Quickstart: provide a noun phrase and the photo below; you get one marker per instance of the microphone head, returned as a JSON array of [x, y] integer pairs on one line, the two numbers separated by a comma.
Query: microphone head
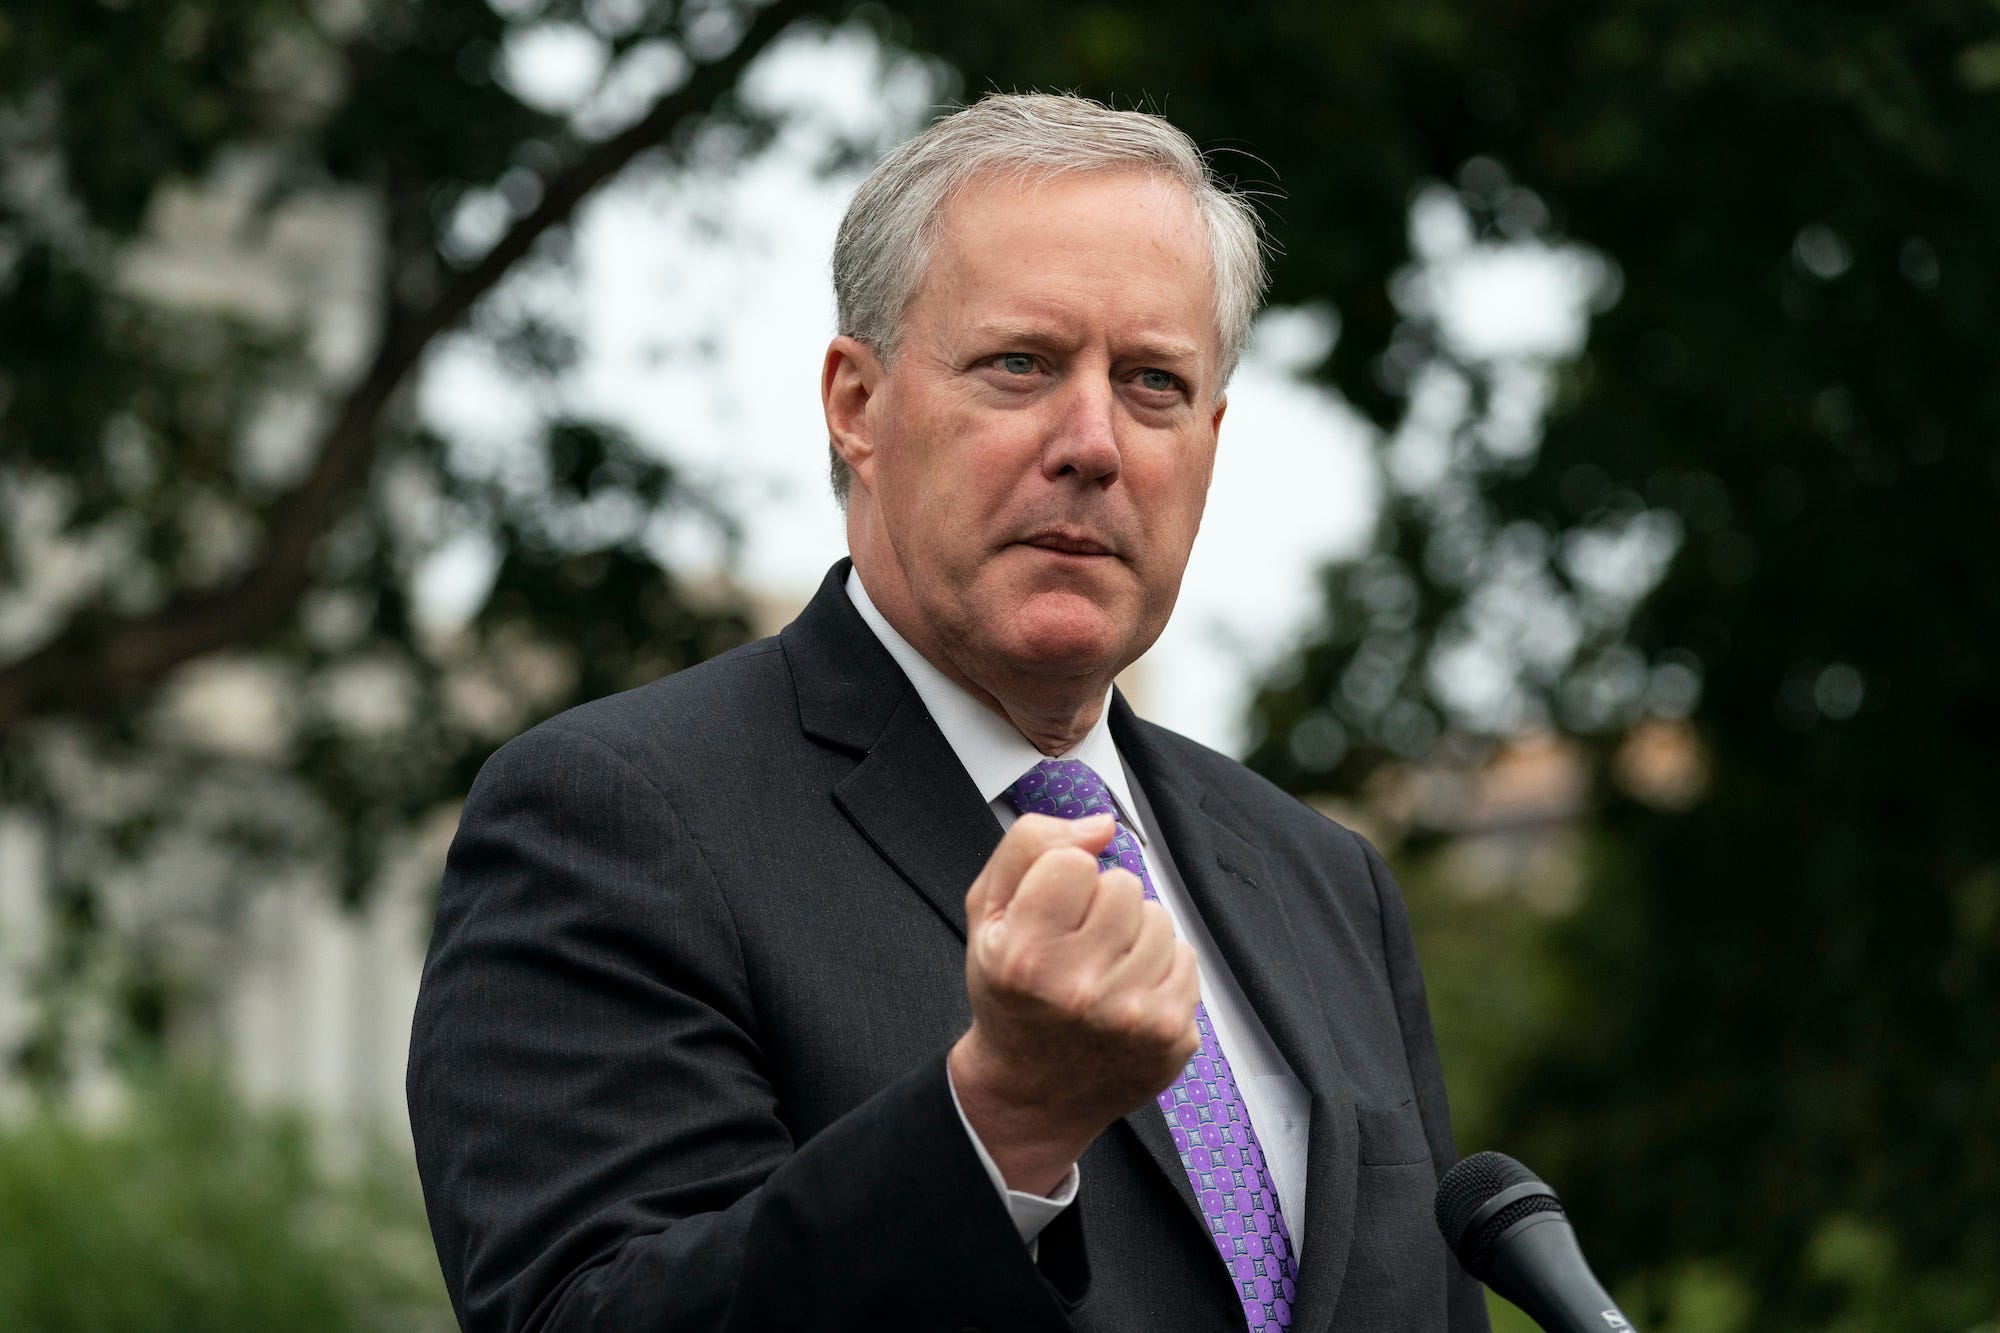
[[1466, 1211]]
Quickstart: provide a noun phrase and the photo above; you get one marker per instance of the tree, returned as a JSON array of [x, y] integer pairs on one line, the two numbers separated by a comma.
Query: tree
[[1748, 510], [1751, 511], [213, 485]]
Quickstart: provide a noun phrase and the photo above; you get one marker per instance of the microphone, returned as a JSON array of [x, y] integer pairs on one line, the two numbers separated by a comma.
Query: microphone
[[1509, 1230]]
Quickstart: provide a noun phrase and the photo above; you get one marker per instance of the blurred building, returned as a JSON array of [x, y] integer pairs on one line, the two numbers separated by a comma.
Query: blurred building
[[1513, 825]]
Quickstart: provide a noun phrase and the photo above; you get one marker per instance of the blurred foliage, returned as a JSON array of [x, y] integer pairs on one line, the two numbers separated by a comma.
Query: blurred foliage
[[1494, 991], [1494, 995], [1758, 1059], [190, 1212], [1753, 506], [230, 233]]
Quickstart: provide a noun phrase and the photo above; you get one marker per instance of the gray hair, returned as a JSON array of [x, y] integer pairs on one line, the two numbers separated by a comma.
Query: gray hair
[[885, 240]]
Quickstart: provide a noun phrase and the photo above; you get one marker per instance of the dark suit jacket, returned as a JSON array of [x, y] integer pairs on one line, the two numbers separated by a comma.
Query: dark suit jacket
[[678, 1061]]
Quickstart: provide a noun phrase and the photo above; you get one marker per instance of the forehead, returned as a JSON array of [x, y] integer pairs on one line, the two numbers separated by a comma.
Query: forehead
[[1064, 243], [1004, 191]]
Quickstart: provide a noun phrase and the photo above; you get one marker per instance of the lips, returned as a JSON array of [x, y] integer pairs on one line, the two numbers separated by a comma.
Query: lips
[[1067, 541]]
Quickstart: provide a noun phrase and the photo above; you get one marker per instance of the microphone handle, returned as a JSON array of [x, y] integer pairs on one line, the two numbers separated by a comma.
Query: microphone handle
[[1539, 1266]]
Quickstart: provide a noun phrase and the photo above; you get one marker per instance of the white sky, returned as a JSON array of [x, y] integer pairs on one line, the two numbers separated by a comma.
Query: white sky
[[740, 266]]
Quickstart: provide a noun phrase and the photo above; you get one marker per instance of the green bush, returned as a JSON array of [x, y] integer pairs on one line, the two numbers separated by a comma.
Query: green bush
[[191, 1212]]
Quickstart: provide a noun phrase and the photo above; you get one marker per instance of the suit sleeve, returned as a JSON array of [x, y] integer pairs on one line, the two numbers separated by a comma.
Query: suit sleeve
[[598, 1136], [1465, 1299]]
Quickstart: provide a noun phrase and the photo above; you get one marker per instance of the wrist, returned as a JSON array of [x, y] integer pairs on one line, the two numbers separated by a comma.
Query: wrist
[[1032, 1144]]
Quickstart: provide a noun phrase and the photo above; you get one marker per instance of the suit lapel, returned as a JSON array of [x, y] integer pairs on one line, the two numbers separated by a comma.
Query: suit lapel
[[909, 795], [1242, 904], [912, 799]]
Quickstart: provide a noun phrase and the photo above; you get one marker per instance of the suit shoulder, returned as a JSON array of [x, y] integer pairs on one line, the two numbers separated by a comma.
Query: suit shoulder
[[724, 705], [1261, 802], [1303, 843]]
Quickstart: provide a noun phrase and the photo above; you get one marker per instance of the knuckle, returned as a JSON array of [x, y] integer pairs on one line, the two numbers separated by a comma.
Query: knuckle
[[1012, 972], [1053, 878], [1080, 995], [1134, 1020]]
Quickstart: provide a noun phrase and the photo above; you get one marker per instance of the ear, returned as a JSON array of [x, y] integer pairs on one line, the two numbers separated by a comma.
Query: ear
[[1215, 437], [848, 381]]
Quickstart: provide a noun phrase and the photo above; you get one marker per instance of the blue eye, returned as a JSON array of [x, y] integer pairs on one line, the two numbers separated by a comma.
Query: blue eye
[[1158, 380], [1018, 363]]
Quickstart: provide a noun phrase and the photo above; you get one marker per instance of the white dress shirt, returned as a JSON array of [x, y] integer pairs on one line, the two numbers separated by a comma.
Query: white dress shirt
[[995, 755]]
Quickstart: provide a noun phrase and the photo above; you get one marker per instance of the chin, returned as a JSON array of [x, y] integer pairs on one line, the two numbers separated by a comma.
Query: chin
[[1067, 635]]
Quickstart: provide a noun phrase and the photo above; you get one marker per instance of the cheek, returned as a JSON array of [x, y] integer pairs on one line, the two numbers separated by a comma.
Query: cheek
[[1178, 495], [1197, 502], [969, 472], [941, 496]]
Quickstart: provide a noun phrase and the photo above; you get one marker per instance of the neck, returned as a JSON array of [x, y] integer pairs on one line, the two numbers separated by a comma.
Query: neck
[[1053, 727]]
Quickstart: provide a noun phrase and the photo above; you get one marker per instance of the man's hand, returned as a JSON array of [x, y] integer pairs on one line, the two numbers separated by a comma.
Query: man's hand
[[1082, 999]]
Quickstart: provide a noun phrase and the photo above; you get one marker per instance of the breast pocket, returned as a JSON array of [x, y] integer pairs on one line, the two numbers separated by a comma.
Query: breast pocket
[[1395, 1268], [1391, 1135]]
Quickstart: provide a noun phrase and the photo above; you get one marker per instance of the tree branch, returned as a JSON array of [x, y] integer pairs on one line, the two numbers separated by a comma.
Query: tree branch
[[96, 659]]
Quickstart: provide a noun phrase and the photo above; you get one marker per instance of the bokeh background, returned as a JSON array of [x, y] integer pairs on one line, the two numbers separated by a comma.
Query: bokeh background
[[1605, 525]]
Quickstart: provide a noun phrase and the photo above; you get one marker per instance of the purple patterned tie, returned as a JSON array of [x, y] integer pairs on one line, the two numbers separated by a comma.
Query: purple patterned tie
[[1205, 1113]]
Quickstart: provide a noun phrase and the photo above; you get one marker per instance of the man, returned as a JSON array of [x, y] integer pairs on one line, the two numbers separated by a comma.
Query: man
[[890, 973]]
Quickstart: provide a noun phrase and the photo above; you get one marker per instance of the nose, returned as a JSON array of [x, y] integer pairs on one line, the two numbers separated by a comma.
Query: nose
[[1084, 441]]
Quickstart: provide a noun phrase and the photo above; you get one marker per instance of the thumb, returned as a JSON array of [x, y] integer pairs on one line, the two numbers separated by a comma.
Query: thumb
[[1024, 844]]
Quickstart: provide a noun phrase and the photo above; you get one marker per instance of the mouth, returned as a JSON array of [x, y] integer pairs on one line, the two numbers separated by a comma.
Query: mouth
[[1066, 541]]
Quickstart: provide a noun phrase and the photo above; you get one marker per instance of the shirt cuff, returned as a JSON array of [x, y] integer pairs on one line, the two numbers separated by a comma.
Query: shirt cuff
[[1031, 1212]]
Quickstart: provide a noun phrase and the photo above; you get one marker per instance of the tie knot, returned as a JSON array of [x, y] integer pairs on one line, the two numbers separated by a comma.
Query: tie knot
[[1065, 788]]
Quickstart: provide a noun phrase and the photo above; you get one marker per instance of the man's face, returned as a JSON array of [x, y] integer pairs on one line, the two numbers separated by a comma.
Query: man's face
[[1038, 453]]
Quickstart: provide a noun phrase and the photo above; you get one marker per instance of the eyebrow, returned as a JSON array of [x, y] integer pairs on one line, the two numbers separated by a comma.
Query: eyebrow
[[1034, 335]]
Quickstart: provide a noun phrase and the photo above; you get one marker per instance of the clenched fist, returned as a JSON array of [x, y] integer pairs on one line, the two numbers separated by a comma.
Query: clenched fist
[[1082, 999]]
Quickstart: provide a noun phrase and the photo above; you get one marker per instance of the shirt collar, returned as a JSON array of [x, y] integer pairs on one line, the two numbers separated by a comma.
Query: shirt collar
[[993, 752]]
